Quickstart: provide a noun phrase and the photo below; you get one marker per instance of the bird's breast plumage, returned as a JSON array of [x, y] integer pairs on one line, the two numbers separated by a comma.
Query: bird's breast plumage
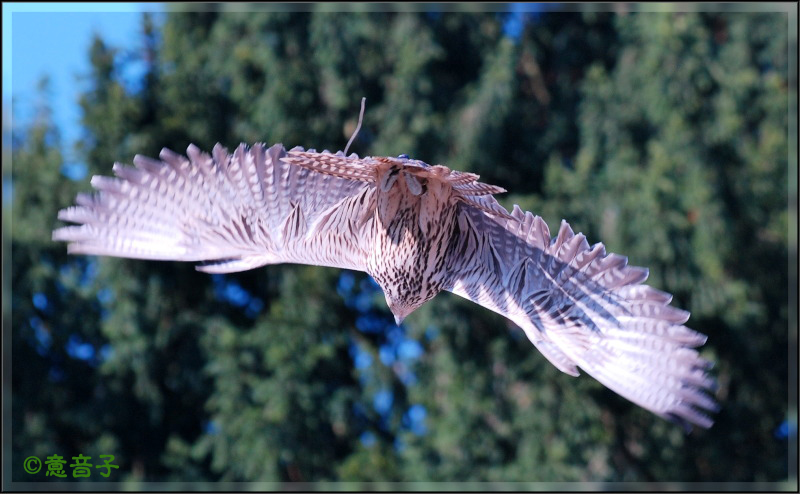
[[412, 226]]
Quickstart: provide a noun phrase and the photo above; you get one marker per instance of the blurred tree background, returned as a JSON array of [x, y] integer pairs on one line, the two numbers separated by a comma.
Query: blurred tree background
[[663, 135]]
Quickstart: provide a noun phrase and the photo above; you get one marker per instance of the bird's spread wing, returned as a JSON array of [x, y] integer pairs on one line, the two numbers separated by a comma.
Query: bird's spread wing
[[235, 211], [583, 308]]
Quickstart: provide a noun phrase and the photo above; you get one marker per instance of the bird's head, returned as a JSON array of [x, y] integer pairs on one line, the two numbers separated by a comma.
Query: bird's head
[[401, 307]]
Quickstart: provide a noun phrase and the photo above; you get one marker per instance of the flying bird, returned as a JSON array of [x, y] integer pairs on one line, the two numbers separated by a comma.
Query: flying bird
[[416, 229]]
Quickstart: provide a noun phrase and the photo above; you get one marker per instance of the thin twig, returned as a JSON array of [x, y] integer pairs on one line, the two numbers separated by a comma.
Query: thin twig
[[355, 133]]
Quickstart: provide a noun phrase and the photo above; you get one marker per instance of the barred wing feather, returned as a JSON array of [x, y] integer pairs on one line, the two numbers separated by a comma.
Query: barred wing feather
[[583, 308], [235, 211]]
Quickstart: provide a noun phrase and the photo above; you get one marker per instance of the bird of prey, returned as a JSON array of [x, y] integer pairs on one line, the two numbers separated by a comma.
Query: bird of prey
[[416, 229]]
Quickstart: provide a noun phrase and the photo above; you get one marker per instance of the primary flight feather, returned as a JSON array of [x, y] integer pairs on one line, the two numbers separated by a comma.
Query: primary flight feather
[[417, 230]]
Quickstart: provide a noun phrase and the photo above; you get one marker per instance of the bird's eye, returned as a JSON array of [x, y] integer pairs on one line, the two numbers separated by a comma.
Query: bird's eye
[[403, 156]]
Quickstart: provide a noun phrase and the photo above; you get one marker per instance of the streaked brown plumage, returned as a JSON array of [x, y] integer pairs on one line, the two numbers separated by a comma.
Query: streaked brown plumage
[[417, 230]]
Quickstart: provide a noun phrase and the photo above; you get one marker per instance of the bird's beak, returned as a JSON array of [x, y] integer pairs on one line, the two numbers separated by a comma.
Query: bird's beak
[[398, 319]]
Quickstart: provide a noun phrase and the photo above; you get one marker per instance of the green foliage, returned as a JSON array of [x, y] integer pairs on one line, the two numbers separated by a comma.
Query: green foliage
[[663, 135], [686, 173]]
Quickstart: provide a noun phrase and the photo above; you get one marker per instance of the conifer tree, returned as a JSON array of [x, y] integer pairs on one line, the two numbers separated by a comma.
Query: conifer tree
[[664, 135]]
